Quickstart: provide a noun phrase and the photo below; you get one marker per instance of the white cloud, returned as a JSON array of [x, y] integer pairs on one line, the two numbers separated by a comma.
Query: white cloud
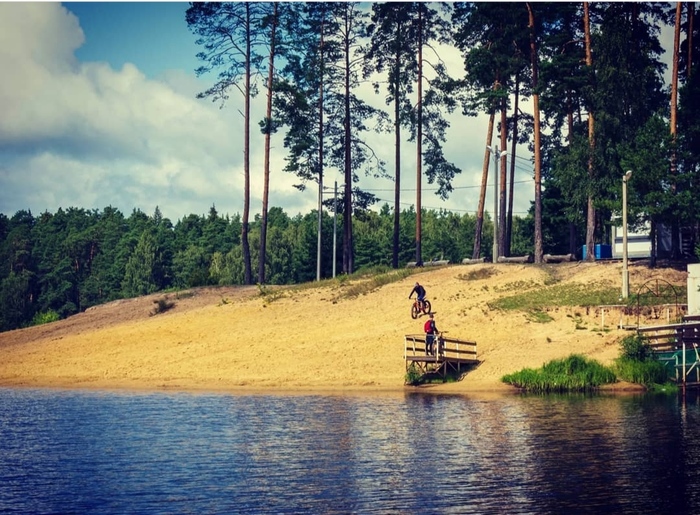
[[86, 135]]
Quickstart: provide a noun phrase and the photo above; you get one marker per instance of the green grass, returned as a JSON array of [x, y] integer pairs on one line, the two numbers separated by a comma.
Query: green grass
[[539, 297], [576, 373], [366, 281], [573, 374], [636, 364], [648, 372], [346, 286], [538, 316]]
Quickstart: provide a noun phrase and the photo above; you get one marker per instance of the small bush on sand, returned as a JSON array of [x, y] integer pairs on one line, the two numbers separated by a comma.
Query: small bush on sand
[[638, 365], [45, 317], [162, 305], [573, 374]]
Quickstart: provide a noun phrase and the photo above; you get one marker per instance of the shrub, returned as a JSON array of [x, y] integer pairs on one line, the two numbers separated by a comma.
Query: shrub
[[45, 318], [637, 363], [635, 348], [575, 373], [162, 305], [413, 375]]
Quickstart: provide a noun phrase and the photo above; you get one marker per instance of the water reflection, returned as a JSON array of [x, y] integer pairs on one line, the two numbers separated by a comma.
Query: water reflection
[[92, 452]]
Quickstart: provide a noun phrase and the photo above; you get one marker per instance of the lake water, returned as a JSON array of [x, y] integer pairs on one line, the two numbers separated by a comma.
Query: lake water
[[75, 451]]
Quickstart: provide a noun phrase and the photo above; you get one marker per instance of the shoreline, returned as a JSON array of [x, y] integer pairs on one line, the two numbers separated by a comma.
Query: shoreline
[[318, 338]]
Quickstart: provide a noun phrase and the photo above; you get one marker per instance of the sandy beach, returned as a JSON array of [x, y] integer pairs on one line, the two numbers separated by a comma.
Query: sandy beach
[[316, 338]]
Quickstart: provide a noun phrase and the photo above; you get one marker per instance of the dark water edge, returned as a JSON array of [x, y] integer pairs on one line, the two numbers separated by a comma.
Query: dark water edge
[[76, 451]]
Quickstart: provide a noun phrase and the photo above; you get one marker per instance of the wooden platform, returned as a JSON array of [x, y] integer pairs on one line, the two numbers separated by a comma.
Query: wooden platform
[[451, 355], [677, 347]]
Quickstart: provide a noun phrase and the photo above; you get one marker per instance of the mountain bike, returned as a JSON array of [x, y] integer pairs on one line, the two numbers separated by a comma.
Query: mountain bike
[[437, 345], [420, 306]]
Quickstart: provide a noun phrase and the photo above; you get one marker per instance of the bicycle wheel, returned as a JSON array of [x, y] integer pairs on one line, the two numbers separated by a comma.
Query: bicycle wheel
[[414, 311], [426, 306]]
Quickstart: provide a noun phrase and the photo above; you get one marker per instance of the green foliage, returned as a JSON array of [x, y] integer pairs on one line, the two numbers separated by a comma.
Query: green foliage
[[413, 375], [539, 296], [191, 267], [45, 318], [637, 364], [538, 316], [635, 348], [144, 267], [15, 307], [363, 283], [647, 372], [575, 373]]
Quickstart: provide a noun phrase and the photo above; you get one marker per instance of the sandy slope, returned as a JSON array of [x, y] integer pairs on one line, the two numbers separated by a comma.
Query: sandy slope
[[235, 339]]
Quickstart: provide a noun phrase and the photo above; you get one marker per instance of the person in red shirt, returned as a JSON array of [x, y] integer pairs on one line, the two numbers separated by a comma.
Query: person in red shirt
[[431, 331]]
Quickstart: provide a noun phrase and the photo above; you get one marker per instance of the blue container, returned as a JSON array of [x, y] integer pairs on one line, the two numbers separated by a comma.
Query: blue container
[[601, 251]]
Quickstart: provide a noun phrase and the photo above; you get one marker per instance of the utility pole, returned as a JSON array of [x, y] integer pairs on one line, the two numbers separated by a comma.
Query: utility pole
[[497, 155], [625, 271]]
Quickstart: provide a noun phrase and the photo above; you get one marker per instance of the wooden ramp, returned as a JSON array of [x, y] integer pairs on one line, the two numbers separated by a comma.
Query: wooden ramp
[[677, 347], [450, 355]]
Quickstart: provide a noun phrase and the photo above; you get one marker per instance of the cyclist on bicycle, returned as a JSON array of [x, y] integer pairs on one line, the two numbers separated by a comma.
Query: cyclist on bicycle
[[420, 293]]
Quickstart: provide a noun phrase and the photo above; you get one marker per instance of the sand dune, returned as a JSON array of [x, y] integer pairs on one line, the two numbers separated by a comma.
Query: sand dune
[[236, 339]]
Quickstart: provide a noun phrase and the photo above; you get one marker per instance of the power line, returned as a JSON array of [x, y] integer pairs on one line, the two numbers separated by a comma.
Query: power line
[[436, 189], [469, 211]]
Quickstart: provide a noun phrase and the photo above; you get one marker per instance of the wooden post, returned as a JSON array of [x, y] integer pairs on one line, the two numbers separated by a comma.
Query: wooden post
[[683, 359]]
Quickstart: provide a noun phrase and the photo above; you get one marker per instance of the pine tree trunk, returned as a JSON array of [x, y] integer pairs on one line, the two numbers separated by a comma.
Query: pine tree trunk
[[689, 38], [482, 193], [590, 211], [266, 165], [538, 159], [397, 158], [248, 274], [569, 138], [503, 166], [347, 215], [675, 243], [419, 137], [511, 184], [320, 140]]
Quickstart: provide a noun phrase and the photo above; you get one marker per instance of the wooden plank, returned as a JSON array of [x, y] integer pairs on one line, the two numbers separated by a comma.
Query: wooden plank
[[558, 258], [515, 259], [437, 262]]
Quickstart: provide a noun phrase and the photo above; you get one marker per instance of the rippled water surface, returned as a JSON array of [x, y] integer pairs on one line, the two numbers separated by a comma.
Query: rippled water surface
[[106, 452]]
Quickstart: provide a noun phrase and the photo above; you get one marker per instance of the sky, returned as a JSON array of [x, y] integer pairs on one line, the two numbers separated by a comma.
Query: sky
[[99, 109]]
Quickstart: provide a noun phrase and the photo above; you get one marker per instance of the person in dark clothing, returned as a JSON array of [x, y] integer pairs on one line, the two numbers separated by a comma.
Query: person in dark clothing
[[420, 294], [431, 331]]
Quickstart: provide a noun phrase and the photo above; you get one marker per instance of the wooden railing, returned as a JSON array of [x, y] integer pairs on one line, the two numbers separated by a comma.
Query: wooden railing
[[447, 349], [671, 336], [676, 345]]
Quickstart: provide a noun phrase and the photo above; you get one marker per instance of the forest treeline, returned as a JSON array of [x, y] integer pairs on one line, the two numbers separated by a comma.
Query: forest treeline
[[58, 264]]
